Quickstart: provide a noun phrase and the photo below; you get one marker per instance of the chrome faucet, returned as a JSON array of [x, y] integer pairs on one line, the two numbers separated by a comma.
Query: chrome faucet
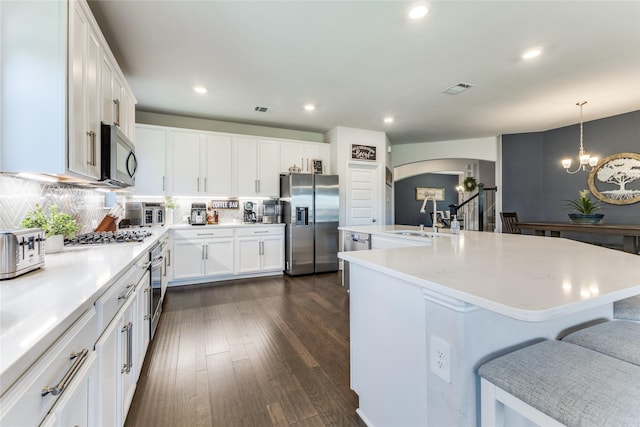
[[435, 215]]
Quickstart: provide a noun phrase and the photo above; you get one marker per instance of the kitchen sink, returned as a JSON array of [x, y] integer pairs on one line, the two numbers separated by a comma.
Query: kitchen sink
[[417, 233]]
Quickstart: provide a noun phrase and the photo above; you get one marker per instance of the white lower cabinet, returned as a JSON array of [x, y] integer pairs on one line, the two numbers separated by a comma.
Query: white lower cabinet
[[121, 347], [78, 405], [259, 249], [202, 252], [219, 253], [65, 370]]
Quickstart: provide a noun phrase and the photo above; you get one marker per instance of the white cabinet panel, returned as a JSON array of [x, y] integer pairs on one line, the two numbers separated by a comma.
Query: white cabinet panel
[[184, 158], [187, 259], [257, 167], [84, 117], [218, 257], [151, 177], [78, 404], [302, 154], [273, 253], [216, 168], [259, 249], [268, 170], [246, 166]]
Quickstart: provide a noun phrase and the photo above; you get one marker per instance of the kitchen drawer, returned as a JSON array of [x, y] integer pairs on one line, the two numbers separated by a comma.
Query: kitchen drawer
[[110, 302], [203, 233], [259, 231], [24, 404]]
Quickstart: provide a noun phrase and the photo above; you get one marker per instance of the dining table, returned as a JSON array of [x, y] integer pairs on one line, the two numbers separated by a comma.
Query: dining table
[[630, 232]]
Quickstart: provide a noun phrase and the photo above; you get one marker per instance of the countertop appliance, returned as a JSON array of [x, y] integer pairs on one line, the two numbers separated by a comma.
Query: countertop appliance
[[145, 214], [21, 251], [118, 159], [271, 212], [310, 210], [198, 214], [249, 213], [353, 242]]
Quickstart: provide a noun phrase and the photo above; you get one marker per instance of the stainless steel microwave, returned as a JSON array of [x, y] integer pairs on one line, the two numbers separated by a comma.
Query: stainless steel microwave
[[119, 163]]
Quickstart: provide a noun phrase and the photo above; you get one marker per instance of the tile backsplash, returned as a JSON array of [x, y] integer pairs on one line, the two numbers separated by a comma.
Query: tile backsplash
[[19, 196]]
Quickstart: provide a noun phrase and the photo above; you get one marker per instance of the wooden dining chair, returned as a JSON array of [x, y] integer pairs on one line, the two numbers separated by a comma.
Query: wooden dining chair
[[509, 220]]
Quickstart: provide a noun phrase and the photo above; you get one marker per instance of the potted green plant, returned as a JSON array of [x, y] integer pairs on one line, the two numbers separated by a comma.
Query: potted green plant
[[56, 226], [170, 204], [585, 209]]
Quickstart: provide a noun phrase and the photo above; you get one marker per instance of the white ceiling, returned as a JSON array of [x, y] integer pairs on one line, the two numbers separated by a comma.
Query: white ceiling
[[360, 61]]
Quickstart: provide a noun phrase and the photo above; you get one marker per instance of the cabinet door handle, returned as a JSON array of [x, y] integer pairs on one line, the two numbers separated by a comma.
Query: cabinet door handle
[[301, 164], [130, 289], [205, 184], [198, 184], [206, 251], [169, 257], [147, 315], [92, 148], [163, 189], [68, 376], [203, 251], [261, 232], [126, 368], [116, 122]]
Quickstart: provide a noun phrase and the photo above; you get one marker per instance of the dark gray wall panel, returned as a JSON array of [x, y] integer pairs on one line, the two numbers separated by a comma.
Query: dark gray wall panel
[[407, 208]]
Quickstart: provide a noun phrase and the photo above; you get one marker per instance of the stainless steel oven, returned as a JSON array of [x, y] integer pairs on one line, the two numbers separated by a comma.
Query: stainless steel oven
[[156, 269]]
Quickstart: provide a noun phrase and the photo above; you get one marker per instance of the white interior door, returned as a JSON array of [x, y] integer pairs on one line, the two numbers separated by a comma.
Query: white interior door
[[362, 195]]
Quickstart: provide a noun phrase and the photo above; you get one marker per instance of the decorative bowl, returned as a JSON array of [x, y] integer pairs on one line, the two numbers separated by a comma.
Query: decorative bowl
[[577, 218]]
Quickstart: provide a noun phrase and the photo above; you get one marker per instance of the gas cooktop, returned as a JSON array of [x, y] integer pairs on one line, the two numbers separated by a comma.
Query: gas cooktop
[[107, 237]]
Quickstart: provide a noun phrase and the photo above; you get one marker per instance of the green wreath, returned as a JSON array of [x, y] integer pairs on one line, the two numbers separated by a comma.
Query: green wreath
[[470, 184]]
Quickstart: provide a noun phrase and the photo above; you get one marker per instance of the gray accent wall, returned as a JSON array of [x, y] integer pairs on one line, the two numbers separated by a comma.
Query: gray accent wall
[[407, 208], [535, 184]]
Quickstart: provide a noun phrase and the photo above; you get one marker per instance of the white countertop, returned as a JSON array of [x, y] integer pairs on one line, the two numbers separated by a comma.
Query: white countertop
[[226, 225], [38, 307], [525, 277]]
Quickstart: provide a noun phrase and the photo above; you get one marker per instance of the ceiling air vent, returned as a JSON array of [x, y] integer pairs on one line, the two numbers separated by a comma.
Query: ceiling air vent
[[262, 109], [457, 88]]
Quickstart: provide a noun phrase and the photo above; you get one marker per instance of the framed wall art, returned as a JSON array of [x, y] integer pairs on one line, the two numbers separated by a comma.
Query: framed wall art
[[422, 192], [616, 179]]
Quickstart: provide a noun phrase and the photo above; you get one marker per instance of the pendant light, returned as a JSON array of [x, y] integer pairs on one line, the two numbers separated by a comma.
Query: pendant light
[[585, 161]]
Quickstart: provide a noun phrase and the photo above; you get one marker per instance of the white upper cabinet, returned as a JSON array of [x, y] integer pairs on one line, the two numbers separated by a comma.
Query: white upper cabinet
[[256, 166], [184, 159], [151, 177], [302, 154], [216, 165], [84, 104], [52, 65], [200, 163]]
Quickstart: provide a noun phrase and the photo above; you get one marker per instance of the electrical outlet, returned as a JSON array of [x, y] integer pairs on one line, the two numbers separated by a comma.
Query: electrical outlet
[[441, 358]]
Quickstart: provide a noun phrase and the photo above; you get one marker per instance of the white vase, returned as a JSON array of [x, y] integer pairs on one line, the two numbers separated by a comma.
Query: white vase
[[54, 244]]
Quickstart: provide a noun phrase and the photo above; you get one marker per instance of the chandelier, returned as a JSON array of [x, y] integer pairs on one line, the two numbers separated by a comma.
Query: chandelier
[[584, 159]]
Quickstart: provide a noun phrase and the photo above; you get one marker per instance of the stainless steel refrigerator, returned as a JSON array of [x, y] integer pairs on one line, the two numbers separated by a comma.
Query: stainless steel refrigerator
[[310, 210]]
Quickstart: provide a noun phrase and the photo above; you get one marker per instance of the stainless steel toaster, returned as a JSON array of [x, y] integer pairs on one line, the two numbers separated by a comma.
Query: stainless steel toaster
[[21, 250]]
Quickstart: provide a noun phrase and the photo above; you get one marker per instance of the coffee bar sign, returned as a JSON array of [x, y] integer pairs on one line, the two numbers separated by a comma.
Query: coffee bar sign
[[363, 152], [225, 204]]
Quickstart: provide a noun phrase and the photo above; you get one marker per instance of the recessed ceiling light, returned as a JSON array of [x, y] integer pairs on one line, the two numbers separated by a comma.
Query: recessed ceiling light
[[309, 107], [200, 89], [418, 12], [531, 53], [388, 119]]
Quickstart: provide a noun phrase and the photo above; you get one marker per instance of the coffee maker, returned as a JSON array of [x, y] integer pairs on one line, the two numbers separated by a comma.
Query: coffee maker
[[198, 214], [249, 213]]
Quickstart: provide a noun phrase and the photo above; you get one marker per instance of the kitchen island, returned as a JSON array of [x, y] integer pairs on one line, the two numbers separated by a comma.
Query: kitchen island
[[424, 318]]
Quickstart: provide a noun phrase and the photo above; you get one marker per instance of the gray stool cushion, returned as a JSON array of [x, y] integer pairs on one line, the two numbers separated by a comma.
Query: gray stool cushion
[[628, 308], [618, 338], [572, 384]]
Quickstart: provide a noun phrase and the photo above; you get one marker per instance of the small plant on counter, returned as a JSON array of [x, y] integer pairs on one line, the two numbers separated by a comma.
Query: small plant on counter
[[584, 204], [53, 224], [170, 203]]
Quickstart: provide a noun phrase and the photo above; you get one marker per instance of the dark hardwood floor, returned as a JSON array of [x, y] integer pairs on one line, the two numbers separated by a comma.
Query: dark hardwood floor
[[258, 352]]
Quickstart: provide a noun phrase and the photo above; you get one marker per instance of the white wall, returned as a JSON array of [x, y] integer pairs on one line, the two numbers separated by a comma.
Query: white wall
[[341, 138], [477, 148]]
